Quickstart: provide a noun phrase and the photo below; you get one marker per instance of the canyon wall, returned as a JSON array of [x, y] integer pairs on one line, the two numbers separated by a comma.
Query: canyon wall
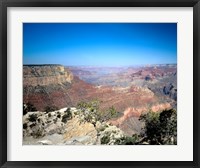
[[46, 86], [45, 75]]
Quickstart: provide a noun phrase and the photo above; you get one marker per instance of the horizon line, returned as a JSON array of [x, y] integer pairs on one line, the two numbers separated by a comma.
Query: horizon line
[[98, 65]]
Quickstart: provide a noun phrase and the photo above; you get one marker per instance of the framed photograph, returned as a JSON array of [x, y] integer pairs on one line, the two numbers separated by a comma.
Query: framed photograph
[[100, 83]]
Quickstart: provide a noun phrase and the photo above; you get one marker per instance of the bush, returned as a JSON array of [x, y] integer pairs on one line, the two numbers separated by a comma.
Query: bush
[[32, 117], [127, 140], [110, 113], [105, 139], [66, 116], [25, 125], [152, 126], [93, 114], [160, 128], [68, 110], [168, 123], [90, 111], [28, 107]]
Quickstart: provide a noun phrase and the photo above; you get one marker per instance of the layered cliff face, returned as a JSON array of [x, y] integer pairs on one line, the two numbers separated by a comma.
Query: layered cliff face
[[54, 85], [46, 85], [42, 75]]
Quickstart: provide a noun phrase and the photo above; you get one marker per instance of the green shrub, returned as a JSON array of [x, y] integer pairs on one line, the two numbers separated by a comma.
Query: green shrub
[[109, 114], [160, 128], [66, 116], [25, 125], [105, 139], [33, 117], [93, 114], [68, 110], [152, 126], [90, 111], [27, 107], [127, 140]]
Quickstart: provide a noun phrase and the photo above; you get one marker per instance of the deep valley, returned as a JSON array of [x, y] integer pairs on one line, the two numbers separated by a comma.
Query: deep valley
[[131, 91]]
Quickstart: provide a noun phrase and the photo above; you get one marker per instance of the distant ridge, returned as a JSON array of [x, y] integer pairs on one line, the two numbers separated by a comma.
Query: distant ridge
[[42, 65]]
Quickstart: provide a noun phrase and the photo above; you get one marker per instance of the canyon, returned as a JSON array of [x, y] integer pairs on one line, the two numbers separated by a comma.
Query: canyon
[[132, 91]]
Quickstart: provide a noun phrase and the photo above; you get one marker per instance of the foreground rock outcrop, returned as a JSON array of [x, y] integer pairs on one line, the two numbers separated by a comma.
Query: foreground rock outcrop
[[72, 126], [66, 127]]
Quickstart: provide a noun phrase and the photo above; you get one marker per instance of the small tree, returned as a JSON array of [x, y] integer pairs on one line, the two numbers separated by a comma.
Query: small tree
[[168, 124], [33, 117], [160, 128], [108, 114], [152, 126], [127, 140], [92, 113], [67, 115], [28, 107]]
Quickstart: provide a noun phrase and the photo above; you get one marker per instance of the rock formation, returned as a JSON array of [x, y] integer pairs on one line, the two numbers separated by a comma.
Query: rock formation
[[54, 85], [42, 75], [129, 121], [66, 127]]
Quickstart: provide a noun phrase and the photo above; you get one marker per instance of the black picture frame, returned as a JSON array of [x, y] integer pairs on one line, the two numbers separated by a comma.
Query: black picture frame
[[4, 4]]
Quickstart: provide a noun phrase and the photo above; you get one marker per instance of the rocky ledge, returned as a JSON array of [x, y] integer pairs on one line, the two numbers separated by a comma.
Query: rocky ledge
[[67, 127]]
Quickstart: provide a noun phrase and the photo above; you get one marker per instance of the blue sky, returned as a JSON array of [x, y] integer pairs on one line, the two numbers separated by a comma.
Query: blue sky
[[99, 44]]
